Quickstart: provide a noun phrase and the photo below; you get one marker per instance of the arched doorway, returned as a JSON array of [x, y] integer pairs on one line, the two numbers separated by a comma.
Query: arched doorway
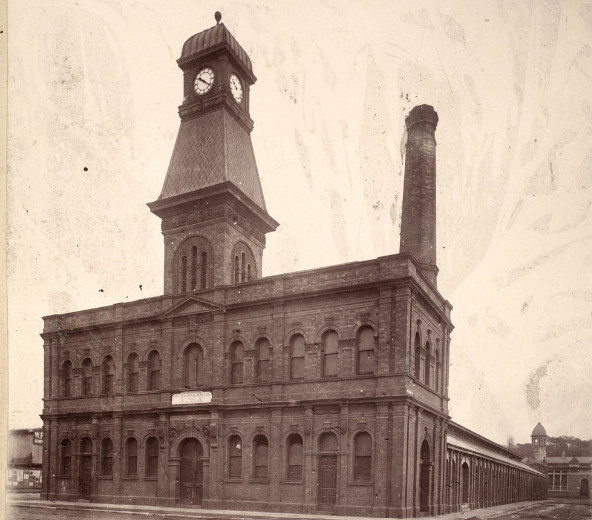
[[585, 488], [327, 471], [465, 483], [424, 477], [85, 476], [191, 472]]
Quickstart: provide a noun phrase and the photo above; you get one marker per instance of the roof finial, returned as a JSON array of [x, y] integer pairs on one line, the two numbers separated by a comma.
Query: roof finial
[[218, 16]]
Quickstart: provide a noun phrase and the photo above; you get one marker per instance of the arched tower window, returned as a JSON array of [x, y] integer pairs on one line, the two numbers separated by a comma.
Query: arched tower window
[[183, 274], [194, 268], [154, 366], [133, 373], [236, 360], [192, 365], [297, 357], [366, 362], [204, 269], [465, 482], [428, 364], [260, 457], [191, 269], [263, 348], [236, 270], [330, 353], [87, 377], [108, 373], [243, 267], [363, 457], [67, 379], [295, 457]]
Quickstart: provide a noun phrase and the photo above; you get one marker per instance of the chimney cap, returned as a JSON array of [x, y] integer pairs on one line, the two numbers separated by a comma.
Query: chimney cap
[[421, 113]]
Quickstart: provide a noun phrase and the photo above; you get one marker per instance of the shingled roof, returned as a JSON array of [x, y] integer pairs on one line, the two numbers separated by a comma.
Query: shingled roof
[[201, 161]]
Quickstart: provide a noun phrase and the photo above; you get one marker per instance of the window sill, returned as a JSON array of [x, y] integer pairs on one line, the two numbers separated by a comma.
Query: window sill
[[105, 477], [298, 482], [360, 483], [233, 480], [151, 477], [130, 477], [259, 480]]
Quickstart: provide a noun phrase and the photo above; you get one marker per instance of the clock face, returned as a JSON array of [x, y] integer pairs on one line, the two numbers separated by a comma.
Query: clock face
[[236, 88], [203, 81]]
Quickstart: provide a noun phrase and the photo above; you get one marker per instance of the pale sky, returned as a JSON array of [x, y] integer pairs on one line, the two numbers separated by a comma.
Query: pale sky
[[94, 84]]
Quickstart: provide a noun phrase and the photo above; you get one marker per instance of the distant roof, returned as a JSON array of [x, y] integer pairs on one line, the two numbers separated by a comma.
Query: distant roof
[[201, 42], [538, 431], [568, 460]]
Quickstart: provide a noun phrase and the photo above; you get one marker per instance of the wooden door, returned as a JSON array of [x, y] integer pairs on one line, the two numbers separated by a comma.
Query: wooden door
[[424, 488], [585, 488], [85, 476], [191, 472], [327, 482]]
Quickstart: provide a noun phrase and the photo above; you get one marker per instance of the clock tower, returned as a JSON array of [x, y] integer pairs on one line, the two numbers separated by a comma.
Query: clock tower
[[212, 208]]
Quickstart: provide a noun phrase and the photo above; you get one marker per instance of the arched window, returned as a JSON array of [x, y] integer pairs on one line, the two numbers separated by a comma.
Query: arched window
[[465, 482], [243, 268], [183, 274], [236, 270], [131, 454], [330, 353], [366, 363], [260, 457], [428, 364], [249, 272], [107, 457], [417, 356], [235, 456], [133, 373], [108, 371], [438, 372], [154, 365], [67, 379], [151, 457], [192, 361], [263, 359], [297, 357], [194, 268], [295, 457], [87, 377], [236, 360], [204, 269], [189, 265], [363, 457], [66, 458]]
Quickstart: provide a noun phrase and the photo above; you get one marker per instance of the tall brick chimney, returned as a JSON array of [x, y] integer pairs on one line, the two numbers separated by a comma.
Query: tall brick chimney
[[418, 221]]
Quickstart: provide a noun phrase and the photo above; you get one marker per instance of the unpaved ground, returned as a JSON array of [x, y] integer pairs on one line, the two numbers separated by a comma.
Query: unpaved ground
[[552, 511]]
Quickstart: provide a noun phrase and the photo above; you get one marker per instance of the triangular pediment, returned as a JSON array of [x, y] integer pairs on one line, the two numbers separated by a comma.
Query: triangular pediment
[[189, 306]]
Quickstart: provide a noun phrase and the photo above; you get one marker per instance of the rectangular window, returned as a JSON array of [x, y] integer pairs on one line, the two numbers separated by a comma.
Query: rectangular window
[[132, 458], [261, 457], [298, 368]]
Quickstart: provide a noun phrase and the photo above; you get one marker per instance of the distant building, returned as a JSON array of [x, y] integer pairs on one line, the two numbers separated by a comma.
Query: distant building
[[321, 390], [25, 457], [569, 476]]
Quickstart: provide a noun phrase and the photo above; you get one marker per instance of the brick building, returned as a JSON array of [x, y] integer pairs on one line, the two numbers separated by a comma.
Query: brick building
[[320, 390]]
